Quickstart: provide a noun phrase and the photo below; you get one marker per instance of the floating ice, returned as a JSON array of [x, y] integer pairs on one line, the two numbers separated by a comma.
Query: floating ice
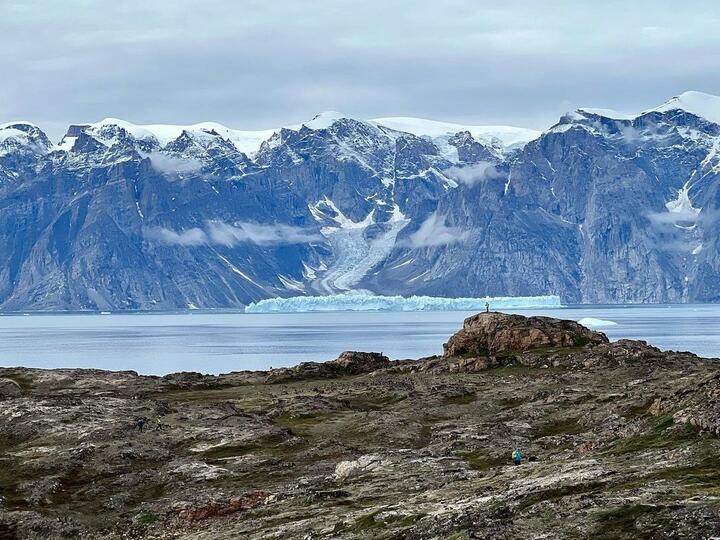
[[596, 323], [369, 302]]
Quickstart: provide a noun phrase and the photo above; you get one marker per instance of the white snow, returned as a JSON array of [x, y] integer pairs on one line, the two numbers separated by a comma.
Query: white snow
[[591, 322], [608, 113], [12, 133], [354, 254], [249, 141], [682, 204], [359, 301], [238, 271], [508, 135], [324, 120], [698, 103]]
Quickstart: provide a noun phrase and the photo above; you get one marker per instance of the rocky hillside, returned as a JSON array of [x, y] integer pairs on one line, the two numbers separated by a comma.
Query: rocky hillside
[[620, 441], [601, 207]]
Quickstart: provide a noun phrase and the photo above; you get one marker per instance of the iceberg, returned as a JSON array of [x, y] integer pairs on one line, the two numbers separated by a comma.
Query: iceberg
[[368, 302], [591, 322]]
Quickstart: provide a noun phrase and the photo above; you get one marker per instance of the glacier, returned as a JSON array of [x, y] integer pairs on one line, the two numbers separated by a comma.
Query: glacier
[[361, 301]]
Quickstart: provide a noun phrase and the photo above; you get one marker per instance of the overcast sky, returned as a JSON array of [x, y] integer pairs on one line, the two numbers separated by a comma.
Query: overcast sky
[[260, 64]]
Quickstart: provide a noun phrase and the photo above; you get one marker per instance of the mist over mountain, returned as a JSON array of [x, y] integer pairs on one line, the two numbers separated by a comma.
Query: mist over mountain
[[600, 207]]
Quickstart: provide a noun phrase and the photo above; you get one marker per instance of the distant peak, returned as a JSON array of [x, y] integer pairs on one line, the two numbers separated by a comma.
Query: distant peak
[[325, 119], [698, 103]]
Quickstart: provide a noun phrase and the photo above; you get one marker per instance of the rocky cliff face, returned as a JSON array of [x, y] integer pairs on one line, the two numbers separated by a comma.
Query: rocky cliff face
[[599, 208]]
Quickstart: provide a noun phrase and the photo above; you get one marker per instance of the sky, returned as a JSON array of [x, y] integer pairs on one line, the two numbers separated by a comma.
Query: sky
[[263, 64]]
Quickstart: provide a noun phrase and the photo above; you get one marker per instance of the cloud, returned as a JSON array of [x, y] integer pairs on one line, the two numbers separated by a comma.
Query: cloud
[[174, 165], [230, 235], [434, 232], [188, 237], [513, 62], [472, 174]]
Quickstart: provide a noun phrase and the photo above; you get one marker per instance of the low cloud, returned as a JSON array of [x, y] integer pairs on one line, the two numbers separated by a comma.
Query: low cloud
[[188, 237], [174, 164], [230, 235], [472, 174], [434, 232]]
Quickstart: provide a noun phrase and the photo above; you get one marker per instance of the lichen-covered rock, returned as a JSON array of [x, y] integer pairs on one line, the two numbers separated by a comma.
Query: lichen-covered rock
[[487, 334]]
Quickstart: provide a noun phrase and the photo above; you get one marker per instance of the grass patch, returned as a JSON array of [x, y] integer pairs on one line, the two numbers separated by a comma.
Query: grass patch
[[479, 461], [373, 403], [558, 493], [300, 424], [663, 433], [621, 522], [568, 426], [465, 399], [147, 518], [224, 452]]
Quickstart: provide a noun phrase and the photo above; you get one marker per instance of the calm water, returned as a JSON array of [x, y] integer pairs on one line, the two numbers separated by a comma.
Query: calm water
[[221, 342]]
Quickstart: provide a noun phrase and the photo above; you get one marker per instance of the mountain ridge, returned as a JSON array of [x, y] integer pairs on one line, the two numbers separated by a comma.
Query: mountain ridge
[[594, 209]]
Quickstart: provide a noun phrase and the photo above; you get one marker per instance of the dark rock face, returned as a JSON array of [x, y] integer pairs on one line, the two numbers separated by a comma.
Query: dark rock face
[[489, 334]]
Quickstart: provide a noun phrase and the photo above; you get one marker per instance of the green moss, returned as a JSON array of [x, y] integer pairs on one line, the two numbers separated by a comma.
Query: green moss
[[480, 461], [223, 452], [662, 433], [558, 493], [147, 518], [621, 522], [301, 424], [568, 426], [465, 399], [580, 340]]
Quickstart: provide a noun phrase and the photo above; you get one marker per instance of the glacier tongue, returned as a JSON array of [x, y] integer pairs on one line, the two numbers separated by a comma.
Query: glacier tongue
[[355, 254], [358, 301]]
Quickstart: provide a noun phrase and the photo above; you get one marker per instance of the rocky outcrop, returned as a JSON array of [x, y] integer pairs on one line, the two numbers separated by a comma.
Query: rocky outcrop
[[9, 389], [490, 334], [348, 363], [623, 438]]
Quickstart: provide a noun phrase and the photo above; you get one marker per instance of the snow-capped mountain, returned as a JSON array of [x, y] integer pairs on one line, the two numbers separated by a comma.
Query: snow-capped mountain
[[601, 207]]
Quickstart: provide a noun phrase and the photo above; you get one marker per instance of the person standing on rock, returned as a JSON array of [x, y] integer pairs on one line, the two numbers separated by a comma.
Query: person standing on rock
[[487, 307], [517, 456]]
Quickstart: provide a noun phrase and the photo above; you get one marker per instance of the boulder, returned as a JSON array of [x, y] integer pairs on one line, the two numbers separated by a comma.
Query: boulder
[[354, 363], [9, 389], [489, 334]]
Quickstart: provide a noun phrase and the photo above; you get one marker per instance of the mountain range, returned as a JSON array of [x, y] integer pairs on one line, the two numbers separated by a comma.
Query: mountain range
[[602, 207]]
